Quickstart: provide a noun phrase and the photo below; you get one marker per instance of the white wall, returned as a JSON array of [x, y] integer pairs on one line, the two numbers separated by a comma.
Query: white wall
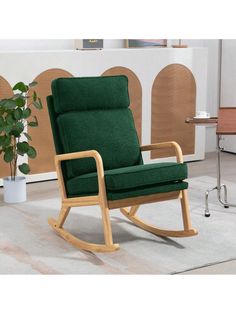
[[213, 90], [213, 81], [36, 44], [213, 65]]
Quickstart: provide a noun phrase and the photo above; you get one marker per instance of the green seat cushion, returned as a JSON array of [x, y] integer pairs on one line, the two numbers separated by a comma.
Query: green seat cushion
[[149, 190], [128, 178], [110, 132], [143, 175], [90, 93], [141, 191]]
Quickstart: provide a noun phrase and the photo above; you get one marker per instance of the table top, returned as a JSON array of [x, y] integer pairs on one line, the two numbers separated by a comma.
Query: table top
[[202, 121], [226, 121]]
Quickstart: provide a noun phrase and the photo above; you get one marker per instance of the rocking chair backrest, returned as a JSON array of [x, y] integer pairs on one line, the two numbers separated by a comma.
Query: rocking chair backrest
[[92, 113]]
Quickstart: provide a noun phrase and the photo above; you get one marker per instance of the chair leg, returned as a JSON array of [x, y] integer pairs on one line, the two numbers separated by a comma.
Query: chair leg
[[185, 210], [62, 216], [107, 226]]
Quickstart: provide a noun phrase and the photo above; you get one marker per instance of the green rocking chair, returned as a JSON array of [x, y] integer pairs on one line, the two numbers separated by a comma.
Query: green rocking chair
[[99, 160]]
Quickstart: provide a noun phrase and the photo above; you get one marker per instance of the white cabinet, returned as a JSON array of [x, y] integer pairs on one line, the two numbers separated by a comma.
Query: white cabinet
[[145, 64]]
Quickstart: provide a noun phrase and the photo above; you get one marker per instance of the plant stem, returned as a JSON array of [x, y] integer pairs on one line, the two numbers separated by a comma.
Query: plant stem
[[15, 166], [11, 170], [15, 158]]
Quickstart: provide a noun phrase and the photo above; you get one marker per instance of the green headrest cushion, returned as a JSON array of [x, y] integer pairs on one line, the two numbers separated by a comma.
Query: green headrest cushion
[[89, 93]]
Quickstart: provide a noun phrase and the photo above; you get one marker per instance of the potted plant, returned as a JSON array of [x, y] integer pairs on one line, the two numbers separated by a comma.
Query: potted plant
[[15, 117]]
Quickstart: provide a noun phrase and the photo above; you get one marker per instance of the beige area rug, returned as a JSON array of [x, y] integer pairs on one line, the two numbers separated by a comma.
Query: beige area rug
[[29, 246]]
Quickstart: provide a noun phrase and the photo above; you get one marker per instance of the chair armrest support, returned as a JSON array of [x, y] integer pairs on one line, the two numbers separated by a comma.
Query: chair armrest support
[[84, 154], [78, 155], [178, 150]]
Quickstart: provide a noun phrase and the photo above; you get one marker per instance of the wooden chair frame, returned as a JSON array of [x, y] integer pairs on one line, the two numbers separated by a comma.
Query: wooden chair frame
[[106, 205]]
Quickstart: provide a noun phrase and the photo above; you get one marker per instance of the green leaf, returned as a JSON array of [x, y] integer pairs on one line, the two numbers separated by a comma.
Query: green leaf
[[17, 129], [18, 114], [34, 96], [21, 87], [20, 153], [26, 113], [2, 124], [32, 84], [9, 119], [9, 104], [40, 101], [9, 155], [8, 129], [20, 126], [27, 136], [33, 123], [22, 147], [20, 101], [2, 140], [38, 104], [14, 133], [24, 168], [1, 121], [32, 152], [2, 101], [7, 140]]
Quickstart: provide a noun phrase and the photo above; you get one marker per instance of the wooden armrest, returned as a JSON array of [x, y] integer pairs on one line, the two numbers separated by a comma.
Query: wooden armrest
[[178, 150], [77, 155], [84, 154]]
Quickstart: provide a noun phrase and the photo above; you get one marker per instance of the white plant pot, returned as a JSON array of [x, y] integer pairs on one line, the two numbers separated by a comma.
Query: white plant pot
[[14, 190]]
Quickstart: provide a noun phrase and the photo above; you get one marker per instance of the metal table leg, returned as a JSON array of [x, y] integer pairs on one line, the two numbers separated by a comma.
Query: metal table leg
[[219, 186]]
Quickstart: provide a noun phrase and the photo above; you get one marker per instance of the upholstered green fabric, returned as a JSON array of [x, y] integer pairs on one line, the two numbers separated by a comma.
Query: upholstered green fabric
[[111, 132], [140, 191], [148, 190], [90, 93], [129, 178], [92, 114], [55, 131], [135, 176]]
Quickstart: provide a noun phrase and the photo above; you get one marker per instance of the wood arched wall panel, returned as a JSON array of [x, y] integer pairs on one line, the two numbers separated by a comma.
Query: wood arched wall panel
[[135, 93], [5, 92], [42, 138], [173, 99]]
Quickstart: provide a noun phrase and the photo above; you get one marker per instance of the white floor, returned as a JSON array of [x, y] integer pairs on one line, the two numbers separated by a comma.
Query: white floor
[[46, 253]]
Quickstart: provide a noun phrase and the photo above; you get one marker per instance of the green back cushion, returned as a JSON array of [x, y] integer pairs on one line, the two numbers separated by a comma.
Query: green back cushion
[[53, 120], [107, 127], [90, 93], [110, 132]]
